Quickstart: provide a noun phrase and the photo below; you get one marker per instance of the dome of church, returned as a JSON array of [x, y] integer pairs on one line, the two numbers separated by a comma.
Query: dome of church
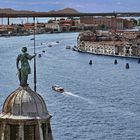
[[24, 103]]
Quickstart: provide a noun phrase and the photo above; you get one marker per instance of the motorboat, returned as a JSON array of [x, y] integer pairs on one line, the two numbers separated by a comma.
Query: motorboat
[[58, 88]]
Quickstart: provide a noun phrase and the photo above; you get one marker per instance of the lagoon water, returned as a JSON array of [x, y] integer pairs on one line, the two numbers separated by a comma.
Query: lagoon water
[[102, 100]]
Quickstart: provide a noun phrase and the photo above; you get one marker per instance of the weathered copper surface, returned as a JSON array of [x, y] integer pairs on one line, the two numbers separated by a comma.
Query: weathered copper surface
[[24, 69], [24, 104]]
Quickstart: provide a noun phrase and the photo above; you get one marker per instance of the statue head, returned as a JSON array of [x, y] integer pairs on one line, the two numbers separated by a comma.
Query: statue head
[[24, 49]]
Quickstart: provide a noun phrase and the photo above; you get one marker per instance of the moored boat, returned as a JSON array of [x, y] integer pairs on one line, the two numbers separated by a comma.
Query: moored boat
[[49, 45], [32, 39], [68, 47], [75, 48]]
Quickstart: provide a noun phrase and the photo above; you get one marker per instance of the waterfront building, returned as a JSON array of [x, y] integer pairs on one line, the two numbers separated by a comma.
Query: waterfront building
[[66, 24], [53, 26], [107, 43], [108, 22], [29, 27]]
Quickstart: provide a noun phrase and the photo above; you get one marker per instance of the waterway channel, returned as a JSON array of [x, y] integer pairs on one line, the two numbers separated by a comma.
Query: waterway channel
[[102, 100]]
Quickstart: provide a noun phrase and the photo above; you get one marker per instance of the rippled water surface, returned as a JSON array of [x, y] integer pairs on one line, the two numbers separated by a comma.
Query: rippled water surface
[[101, 102]]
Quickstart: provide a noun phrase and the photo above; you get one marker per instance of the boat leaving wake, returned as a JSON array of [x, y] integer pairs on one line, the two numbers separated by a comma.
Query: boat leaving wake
[[77, 96]]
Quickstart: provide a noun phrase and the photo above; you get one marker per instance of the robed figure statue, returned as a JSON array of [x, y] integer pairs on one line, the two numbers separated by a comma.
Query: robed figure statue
[[24, 68]]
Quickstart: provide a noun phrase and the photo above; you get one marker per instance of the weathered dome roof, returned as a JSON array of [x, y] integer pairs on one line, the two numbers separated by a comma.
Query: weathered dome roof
[[24, 103]]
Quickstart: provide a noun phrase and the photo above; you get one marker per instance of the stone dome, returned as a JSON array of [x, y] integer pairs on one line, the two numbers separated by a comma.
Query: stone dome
[[24, 103]]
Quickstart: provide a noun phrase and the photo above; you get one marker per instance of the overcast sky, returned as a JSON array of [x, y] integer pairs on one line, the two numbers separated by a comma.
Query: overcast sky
[[80, 5]]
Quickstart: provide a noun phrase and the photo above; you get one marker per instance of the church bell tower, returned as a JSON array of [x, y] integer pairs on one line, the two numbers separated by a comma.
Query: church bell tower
[[24, 114]]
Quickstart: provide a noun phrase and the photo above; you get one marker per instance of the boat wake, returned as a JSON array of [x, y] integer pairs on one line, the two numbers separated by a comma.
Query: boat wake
[[49, 43], [77, 96], [108, 109]]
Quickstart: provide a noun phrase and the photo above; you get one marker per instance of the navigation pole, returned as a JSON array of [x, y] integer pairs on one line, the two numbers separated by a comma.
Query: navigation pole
[[34, 57]]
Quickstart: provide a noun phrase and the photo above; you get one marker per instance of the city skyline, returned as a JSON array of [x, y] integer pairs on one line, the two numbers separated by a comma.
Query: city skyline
[[80, 5]]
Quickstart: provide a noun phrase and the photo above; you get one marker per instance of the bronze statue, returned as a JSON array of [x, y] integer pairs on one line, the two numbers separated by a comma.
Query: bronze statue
[[24, 69]]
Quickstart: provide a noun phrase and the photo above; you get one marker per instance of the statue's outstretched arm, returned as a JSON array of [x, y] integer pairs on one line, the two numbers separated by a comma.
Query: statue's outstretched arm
[[31, 56]]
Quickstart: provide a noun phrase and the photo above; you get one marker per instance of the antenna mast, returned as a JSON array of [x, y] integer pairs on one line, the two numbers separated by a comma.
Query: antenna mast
[[34, 57]]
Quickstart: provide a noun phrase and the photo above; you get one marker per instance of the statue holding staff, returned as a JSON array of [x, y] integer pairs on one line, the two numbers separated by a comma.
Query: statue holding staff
[[24, 68]]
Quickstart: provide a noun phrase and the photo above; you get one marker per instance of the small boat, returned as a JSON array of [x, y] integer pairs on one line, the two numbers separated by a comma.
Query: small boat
[[58, 88], [74, 49], [68, 47], [32, 39], [50, 45]]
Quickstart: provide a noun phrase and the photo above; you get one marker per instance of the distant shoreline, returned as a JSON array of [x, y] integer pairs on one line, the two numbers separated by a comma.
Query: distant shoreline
[[12, 35]]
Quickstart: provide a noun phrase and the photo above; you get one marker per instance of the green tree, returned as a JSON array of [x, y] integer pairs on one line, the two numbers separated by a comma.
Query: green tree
[[102, 27], [50, 21], [134, 21]]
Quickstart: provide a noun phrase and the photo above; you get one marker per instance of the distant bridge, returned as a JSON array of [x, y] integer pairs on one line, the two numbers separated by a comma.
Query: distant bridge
[[46, 14]]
